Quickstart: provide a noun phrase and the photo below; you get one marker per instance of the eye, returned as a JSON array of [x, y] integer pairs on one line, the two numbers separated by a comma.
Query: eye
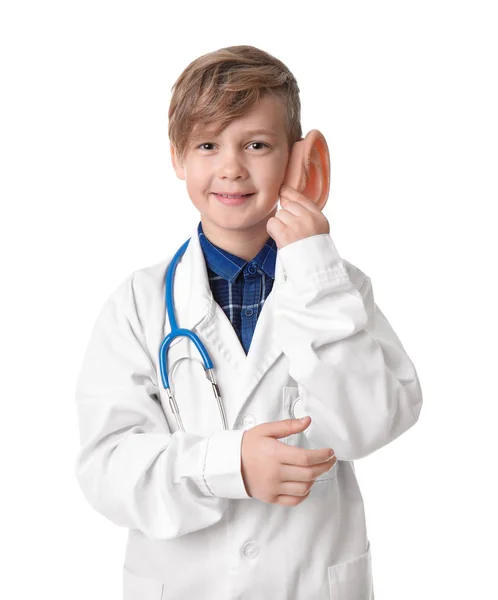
[[251, 144], [260, 143]]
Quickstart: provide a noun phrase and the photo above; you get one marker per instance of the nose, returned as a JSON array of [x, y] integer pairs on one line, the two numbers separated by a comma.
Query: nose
[[231, 165]]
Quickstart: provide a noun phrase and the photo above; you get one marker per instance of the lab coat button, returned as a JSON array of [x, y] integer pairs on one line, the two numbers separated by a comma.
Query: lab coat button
[[248, 421], [250, 550]]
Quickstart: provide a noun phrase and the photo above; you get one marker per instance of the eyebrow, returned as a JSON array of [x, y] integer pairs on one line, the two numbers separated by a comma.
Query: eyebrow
[[260, 131]]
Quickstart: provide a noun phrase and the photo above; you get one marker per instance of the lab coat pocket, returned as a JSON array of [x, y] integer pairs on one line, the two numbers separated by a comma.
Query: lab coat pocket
[[352, 580], [292, 409], [141, 588]]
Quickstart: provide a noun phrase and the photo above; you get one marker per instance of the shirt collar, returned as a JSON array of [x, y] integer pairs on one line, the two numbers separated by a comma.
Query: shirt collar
[[229, 266]]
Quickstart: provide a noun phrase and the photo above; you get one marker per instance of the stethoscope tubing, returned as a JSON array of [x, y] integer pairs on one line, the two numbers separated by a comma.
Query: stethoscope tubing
[[178, 332], [175, 330]]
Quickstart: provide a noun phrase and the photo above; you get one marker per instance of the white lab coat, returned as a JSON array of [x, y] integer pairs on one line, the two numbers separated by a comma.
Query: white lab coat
[[322, 348]]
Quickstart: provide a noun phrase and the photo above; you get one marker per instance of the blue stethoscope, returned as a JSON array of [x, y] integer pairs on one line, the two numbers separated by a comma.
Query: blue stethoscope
[[177, 332]]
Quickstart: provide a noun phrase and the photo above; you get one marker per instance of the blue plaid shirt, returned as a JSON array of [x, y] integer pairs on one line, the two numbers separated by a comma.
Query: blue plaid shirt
[[238, 286]]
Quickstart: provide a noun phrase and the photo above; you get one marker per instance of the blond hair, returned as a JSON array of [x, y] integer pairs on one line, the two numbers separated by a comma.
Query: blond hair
[[220, 86]]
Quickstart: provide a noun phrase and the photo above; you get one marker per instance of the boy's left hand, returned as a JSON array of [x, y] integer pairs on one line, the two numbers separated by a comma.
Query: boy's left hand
[[299, 218]]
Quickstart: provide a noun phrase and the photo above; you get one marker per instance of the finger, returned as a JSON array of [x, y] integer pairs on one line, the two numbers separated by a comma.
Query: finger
[[296, 488], [295, 196], [285, 216], [305, 474], [285, 500], [275, 227], [296, 208], [302, 457]]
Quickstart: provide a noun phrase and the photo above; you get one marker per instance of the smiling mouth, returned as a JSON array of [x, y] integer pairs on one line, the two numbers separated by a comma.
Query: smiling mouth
[[232, 200], [232, 195]]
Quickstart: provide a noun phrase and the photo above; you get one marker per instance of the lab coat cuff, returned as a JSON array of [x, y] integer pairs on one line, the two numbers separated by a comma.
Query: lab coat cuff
[[223, 465], [313, 258]]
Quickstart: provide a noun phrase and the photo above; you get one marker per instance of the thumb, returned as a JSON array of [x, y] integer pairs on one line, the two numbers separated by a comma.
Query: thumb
[[281, 429]]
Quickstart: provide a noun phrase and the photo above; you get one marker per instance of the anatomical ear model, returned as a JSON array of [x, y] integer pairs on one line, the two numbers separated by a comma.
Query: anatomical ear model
[[308, 169]]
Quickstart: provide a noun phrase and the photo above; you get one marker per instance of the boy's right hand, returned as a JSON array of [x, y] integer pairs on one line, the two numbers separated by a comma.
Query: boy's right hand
[[276, 472]]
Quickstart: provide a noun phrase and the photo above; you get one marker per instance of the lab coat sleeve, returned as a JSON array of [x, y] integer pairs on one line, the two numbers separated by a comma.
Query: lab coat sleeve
[[130, 467], [354, 378]]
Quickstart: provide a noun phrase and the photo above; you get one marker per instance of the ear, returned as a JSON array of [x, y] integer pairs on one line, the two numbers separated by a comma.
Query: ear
[[177, 165], [308, 169]]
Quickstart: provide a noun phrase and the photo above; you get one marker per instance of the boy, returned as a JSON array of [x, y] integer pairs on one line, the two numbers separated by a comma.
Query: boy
[[257, 510]]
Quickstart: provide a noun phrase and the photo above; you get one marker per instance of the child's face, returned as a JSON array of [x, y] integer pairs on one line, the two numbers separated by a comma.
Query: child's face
[[238, 161]]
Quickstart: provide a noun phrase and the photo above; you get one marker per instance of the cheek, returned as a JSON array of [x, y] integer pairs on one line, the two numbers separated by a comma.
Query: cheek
[[272, 182], [276, 174], [195, 183]]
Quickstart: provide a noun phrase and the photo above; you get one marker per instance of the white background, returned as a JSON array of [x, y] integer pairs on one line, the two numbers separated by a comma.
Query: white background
[[406, 95]]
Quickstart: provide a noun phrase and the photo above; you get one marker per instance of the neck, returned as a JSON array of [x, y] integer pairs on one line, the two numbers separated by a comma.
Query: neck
[[245, 243]]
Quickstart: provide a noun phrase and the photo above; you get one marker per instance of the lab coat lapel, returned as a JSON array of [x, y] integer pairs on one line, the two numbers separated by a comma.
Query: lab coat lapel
[[191, 299], [195, 309], [263, 351]]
